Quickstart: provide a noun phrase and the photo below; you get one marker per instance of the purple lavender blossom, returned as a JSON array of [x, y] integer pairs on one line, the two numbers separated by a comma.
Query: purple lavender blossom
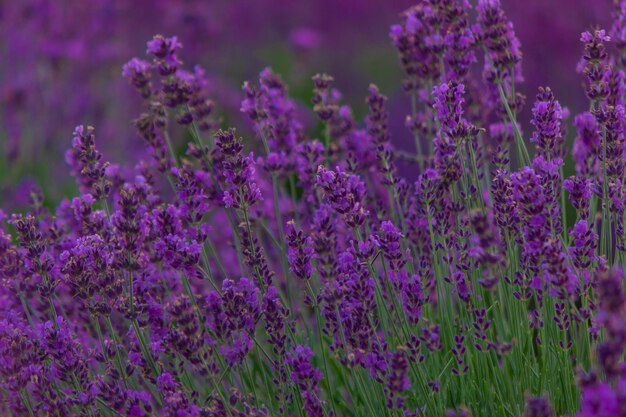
[[238, 171], [307, 379], [164, 51], [580, 192], [138, 73], [503, 55], [397, 380], [345, 193], [594, 66], [87, 165], [538, 407], [586, 149], [300, 252], [547, 116]]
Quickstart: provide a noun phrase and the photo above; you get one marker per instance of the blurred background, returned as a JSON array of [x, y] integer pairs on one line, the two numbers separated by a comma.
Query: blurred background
[[60, 65]]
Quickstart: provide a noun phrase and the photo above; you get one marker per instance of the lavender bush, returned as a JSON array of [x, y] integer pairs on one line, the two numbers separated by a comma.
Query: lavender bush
[[298, 276]]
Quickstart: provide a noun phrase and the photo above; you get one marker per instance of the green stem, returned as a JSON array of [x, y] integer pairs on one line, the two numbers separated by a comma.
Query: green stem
[[322, 349], [518, 136]]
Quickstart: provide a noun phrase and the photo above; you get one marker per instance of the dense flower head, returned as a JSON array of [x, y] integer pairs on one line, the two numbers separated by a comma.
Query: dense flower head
[[198, 108], [547, 116], [448, 103], [175, 402], [274, 115], [20, 354], [434, 40], [398, 381], [300, 252], [238, 171], [138, 73], [594, 65], [419, 45], [618, 31], [585, 242], [460, 40], [164, 51], [388, 240], [612, 156], [497, 35], [344, 192], [307, 378], [580, 192], [486, 246], [377, 124], [586, 149], [325, 98], [86, 163], [89, 267]]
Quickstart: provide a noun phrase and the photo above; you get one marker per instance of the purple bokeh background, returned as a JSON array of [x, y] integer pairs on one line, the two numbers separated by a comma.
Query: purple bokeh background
[[61, 61]]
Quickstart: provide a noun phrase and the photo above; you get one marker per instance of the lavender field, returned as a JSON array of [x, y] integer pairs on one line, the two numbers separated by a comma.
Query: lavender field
[[409, 208]]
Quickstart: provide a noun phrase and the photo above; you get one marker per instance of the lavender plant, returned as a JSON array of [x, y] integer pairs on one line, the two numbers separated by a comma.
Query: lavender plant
[[286, 275]]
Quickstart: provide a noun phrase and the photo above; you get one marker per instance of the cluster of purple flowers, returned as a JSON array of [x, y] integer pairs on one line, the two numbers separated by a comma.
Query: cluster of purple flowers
[[314, 279]]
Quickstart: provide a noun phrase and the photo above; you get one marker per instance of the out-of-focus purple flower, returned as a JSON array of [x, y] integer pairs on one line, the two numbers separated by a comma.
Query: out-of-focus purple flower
[[305, 39], [275, 316], [594, 66], [448, 103], [611, 302], [306, 378], [612, 120], [308, 157], [587, 145], [580, 192], [557, 271], [20, 355], [460, 40], [409, 287], [486, 246], [388, 239], [324, 99], [138, 73], [59, 342], [397, 378], [455, 130], [504, 206], [538, 407], [233, 316], [462, 412], [274, 116], [180, 254], [548, 171], [174, 400], [503, 55], [378, 127], [618, 31], [585, 242], [434, 40], [164, 51], [532, 208], [547, 116], [598, 400], [198, 107], [300, 252]]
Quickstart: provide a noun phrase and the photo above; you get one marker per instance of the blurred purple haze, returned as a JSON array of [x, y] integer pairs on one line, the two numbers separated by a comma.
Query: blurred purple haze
[[61, 61]]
